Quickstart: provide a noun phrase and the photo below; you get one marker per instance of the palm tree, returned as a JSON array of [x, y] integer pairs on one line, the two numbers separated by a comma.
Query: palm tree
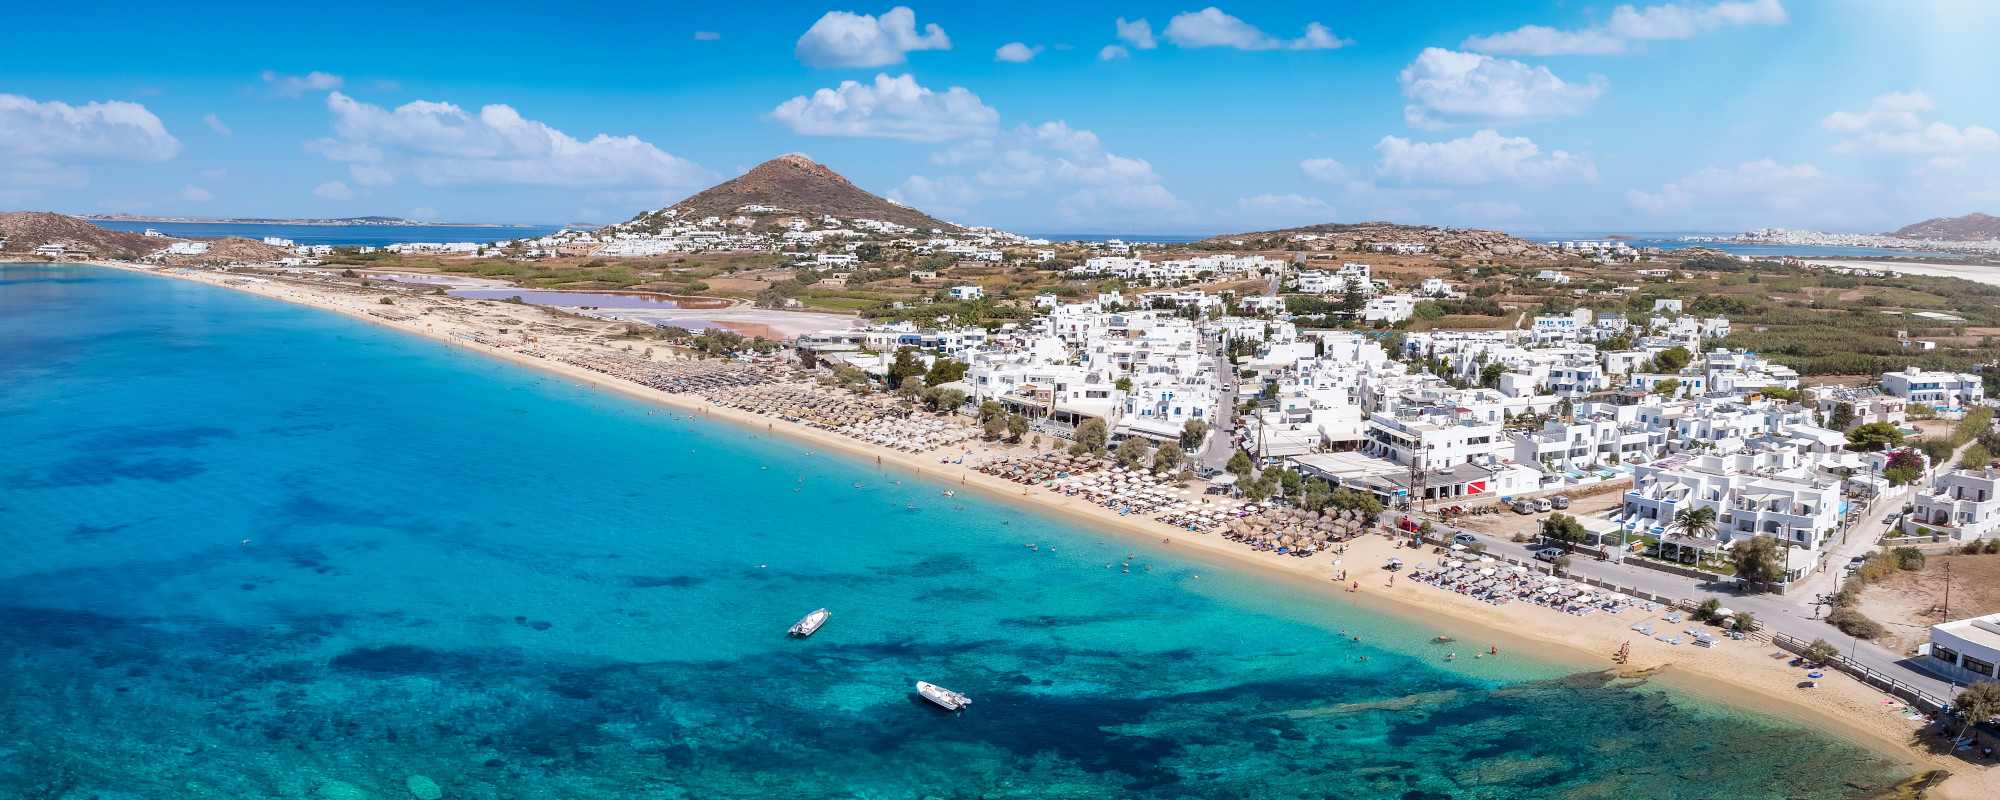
[[1696, 521]]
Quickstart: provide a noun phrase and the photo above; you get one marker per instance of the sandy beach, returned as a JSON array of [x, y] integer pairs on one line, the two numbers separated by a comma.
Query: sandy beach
[[1744, 674], [1977, 273]]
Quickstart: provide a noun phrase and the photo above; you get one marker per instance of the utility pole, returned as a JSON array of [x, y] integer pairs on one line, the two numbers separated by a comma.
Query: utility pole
[[1947, 591]]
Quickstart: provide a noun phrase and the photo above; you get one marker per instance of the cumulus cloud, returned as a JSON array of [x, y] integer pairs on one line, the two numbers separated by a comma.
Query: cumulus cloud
[[1112, 51], [1137, 33], [706, 36], [1891, 124], [950, 194], [1016, 52], [296, 85], [97, 130], [1210, 27], [333, 190], [1484, 157], [215, 124], [889, 108], [1089, 185], [1451, 88], [215, 174], [1628, 23], [1324, 169], [1762, 183], [196, 193], [441, 144], [846, 39]]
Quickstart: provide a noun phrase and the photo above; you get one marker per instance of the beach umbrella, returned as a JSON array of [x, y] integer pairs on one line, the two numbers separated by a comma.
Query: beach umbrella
[[1519, 569], [1485, 559], [1457, 547]]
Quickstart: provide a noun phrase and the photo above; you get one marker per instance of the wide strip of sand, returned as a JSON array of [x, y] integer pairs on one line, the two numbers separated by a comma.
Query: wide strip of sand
[[1738, 674]]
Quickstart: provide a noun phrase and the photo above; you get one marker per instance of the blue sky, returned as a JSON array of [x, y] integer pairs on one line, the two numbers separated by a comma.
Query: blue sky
[[1069, 117]]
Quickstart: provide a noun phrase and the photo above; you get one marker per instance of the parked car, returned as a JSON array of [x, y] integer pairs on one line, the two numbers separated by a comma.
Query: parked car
[[1542, 504], [1523, 507], [1559, 501], [1465, 539], [1550, 553]]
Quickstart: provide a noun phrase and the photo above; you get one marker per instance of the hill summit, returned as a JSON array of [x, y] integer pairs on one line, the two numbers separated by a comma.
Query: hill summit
[[1974, 227], [788, 186]]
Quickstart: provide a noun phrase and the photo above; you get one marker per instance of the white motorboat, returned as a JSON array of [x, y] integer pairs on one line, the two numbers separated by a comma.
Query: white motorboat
[[805, 627], [946, 698]]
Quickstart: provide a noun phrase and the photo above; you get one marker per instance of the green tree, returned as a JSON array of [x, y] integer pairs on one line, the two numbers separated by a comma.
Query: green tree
[[990, 409], [1843, 416], [1193, 433], [1292, 482], [1672, 359], [1874, 436], [1363, 503], [1668, 387], [1122, 384], [1489, 375], [1260, 489], [1090, 436], [945, 370], [1240, 464], [1908, 558], [1976, 704], [1563, 528], [995, 426], [1759, 560], [906, 365], [950, 400], [1560, 565], [1745, 621], [912, 387], [1696, 521], [1316, 496], [1706, 611], [1167, 458], [1132, 452], [1017, 426], [1821, 652]]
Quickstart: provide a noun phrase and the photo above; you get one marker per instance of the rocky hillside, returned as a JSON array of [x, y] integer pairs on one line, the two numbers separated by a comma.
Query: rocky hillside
[[1974, 227], [1344, 236], [799, 186], [27, 230]]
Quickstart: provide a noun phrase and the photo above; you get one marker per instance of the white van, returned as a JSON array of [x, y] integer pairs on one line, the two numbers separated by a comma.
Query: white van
[[1542, 504]]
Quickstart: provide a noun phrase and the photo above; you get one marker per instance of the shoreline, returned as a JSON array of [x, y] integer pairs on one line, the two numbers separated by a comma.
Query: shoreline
[[1734, 675]]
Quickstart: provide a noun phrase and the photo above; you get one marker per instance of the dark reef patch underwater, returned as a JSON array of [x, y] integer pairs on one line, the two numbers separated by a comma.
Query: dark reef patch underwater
[[259, 551]]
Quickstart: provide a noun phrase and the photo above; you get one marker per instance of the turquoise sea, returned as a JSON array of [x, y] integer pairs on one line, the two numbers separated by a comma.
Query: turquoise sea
[[255, 550]]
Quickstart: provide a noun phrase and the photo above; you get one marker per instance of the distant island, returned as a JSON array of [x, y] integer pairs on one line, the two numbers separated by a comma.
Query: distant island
[[341, 221]]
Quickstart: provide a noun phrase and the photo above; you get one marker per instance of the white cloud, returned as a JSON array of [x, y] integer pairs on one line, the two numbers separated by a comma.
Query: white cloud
[[1890, 124], [1324, 169], [98, 130], [1210, 27], [1137, 33], [1669, 21], [215, 124], [370, 174], [890, 108], [1287, 208], [1948, 162], [215, 174], [1450, 88], [706, 36], [333, 190], [1112, 51], [950, 194], [1762, 183], [846, 39], [196, 193], [1484, 157], [441, 144], [423, 212], [295, 85], [1016, 52]]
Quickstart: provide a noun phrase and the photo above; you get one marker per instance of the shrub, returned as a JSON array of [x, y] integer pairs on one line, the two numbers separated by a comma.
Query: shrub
[[1908, 558], [1855, 624], [386, 301], [1706, 611]]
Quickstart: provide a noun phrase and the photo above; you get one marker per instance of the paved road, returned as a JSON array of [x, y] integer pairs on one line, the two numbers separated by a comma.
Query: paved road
[[1220, 445]]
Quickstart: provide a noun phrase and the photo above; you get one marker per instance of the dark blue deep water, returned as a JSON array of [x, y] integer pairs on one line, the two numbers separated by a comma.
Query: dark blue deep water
[[254, 550]]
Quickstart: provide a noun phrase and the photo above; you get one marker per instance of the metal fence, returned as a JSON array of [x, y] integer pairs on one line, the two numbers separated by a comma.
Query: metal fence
[[1924, 701]]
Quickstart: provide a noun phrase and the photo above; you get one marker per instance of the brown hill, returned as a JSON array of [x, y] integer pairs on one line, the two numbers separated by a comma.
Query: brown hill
[[1974, 227], [797, 185], [27, 230], [1346, 236], [233, 250]]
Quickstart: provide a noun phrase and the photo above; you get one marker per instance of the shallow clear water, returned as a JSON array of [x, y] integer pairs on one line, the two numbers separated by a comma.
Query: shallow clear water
[[253, 548]]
